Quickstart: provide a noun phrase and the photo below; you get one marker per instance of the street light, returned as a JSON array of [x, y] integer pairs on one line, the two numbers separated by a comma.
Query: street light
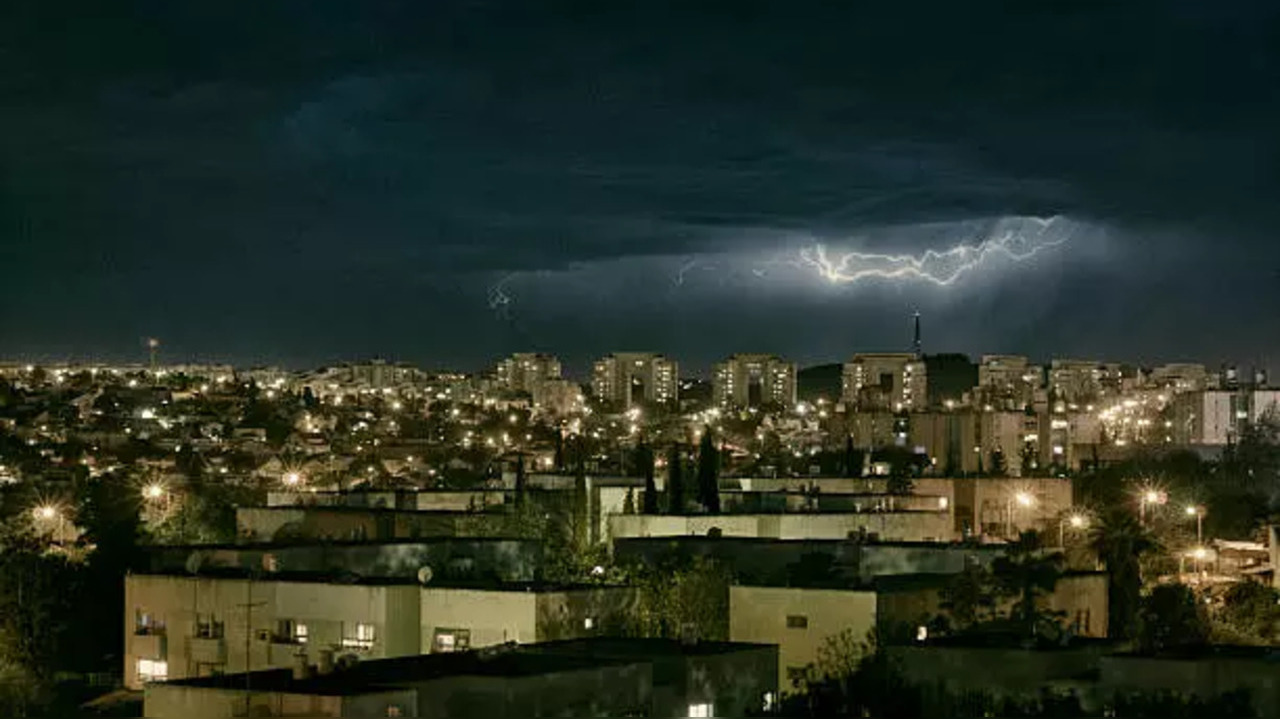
[[292, 479], [1076, 521], [45, 512], [153, 491], [1021, 499], [1197, 512], [1149, 496]]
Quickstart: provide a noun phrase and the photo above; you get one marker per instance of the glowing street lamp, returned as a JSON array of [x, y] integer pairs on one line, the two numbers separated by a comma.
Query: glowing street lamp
[[1197, 512], [1076, 520], [153, 491], [291, 479], [1018, 499], [1149, 496], [45, 512]]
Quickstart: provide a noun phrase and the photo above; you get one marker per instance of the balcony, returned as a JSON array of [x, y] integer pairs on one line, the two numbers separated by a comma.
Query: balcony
[[151, 645], [209, 650]]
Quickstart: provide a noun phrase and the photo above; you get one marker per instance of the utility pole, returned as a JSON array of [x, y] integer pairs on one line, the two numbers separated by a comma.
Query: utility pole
[[248, 643], [153, 345]]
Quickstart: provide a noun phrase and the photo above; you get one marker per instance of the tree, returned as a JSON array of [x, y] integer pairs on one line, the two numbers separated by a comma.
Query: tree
[[970, 598], [851, 462], [645, 460], [680, 597], [1120, 542], [999, 468], [520, 480], [581, 499], [1250, 614], [559, 456], [1027, 574], [1172, 619], [629, 502], [675, 480], [709, 472]]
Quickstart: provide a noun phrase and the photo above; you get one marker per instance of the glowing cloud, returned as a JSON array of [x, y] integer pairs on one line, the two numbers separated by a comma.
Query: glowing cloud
[[1013, 238]]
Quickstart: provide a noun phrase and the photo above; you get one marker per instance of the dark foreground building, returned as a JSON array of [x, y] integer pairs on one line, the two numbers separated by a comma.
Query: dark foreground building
[[579, 678]]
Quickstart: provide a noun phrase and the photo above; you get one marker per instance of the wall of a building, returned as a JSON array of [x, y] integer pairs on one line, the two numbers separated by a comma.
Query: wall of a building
[[901, 526], [492, 617], [249, 613], [760, 614]]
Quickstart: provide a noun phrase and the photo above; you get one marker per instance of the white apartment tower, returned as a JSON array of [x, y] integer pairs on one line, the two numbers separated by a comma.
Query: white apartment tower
[[628, 378], [892, 381], [527, 371], [754, 380]]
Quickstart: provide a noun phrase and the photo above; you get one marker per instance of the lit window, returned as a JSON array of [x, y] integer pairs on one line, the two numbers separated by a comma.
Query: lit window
[[700, 710], [300, 633], [451, 640], [922, 633], [363, 638], [151, 670], [589, 623], [770, 702]]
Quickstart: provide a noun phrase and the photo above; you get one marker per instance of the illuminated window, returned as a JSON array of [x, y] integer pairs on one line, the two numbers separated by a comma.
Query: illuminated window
[[700, 710], [363, 638], [451, 640], [770, 702], [152, 670], [589, 623]]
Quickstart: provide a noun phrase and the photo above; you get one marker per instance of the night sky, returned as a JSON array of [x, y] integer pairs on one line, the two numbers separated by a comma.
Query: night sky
[[301, 182]]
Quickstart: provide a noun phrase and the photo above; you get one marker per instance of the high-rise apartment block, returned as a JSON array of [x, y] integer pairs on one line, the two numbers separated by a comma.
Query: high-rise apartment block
[[1007, 382], [893, 381], [527, 372], [1084, 381], [754, 380], [628, 378], [1219, 417]]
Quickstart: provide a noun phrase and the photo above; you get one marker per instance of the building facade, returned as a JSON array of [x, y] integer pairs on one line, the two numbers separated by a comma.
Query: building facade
[[626, 379], [527, 372], [754, 380], [886, 381], [1218, 417], [179, 626], [1007, 382]]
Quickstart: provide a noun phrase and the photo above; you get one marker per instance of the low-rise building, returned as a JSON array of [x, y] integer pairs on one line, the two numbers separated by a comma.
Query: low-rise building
[[919, 526], [180, 625], [583, 678]]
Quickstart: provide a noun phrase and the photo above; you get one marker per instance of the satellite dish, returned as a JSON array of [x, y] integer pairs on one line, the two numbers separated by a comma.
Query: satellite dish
[[195, 562], [424, 575]]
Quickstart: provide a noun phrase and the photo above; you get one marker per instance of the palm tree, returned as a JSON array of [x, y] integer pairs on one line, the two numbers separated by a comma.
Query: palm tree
[[1120, 541]]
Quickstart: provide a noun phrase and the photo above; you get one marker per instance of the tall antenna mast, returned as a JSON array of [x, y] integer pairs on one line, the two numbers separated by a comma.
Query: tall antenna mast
[[916, 345]]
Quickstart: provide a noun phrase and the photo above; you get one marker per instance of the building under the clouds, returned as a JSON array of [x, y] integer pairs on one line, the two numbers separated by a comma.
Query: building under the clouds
[[754, 380], [624, 379], [894, 381], [527, 371]]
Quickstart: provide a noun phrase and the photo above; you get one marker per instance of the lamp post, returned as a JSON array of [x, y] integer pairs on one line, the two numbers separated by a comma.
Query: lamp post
[[1197, 511], [1148, 496], [1076, 520], [1020, 499]]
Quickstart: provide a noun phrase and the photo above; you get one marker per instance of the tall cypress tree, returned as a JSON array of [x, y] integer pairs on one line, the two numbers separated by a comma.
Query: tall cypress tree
[[709, 472], [520, 480], [645, 456], [675, 480], [850, 459], [581, 498]]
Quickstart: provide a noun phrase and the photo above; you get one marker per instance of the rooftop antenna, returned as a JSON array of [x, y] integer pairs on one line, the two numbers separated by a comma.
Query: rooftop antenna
[[916, 345]]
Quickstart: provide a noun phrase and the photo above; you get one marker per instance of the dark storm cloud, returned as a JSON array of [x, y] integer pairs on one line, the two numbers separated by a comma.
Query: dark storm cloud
[[396, 149]]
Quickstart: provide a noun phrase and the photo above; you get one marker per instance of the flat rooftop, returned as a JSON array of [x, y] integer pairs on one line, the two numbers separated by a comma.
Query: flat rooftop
[[351, 578], [510, 660]]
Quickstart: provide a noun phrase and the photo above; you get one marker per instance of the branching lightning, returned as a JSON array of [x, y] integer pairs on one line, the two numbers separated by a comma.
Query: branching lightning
[[1017, 239], [499, 300]]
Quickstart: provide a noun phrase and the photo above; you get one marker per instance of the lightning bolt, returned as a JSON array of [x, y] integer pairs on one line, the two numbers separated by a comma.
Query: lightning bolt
[[1027, 237], [499, 300]]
